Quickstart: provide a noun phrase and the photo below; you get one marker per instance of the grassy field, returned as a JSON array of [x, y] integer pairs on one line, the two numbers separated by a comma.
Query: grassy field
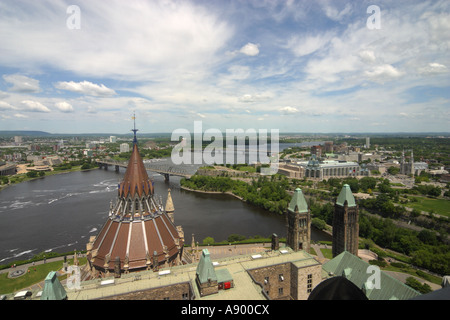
[[327, 253], [35, 275], [439, 206]]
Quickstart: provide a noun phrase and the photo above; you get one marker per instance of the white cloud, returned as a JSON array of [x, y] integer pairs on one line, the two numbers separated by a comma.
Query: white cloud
[[175, 58], [250, 49], [85, 87], [367, 56], [334, 13], [22, 83], [288, 110], [19, 115], [133, 40], [248, 98], [90, 109], [34, 106], [433, 68], [306, 44], [64, 107], [383, 73], [6, 106]]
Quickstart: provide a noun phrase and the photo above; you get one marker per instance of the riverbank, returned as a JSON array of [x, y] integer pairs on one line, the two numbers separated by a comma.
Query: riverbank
[[24, 178], [326, 230], [213, 192]]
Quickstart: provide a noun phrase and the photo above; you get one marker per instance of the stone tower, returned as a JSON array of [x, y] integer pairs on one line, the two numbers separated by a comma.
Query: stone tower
[[298, 221], [170, 209], [345, 223], [407, 168]]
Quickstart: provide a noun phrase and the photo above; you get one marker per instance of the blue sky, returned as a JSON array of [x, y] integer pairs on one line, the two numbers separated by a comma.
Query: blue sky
[[296, 66]]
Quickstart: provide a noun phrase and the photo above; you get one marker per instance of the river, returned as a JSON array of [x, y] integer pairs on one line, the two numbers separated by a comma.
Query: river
[[59, 213]]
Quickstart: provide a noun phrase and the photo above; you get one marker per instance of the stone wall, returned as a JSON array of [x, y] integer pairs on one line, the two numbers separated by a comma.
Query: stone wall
[[179, 291], [304, 280], [287, 281], [275, 280]]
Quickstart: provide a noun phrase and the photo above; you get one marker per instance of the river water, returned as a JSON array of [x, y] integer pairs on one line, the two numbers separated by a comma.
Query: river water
[[59, 213]]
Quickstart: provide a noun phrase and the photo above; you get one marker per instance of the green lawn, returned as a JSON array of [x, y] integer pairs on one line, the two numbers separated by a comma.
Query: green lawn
[[246, 168], [8, 285], [439, 206], [327, 253]]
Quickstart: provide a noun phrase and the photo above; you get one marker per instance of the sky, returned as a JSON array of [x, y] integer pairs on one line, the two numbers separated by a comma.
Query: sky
[[294, 66]]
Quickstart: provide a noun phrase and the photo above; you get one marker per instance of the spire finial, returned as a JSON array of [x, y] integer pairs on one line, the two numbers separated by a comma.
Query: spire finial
[[134, 130]]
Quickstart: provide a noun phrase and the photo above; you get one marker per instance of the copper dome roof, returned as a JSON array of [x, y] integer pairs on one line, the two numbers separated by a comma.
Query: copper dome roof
[[138, 230]]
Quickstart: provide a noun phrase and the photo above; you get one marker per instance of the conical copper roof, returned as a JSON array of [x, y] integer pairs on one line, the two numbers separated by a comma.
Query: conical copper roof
[[138, 233], [136, 180]]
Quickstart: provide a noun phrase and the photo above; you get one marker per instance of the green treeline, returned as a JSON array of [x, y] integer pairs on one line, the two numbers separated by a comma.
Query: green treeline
[[145, 154], [425, 248], [267, 193]]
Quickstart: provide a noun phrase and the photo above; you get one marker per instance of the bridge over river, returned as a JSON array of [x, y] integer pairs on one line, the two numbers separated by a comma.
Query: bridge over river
[[162, 166]]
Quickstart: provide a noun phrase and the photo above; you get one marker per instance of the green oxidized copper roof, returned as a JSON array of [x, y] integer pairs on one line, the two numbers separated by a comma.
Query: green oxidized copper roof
[[298, 202], [376, 285], [205, 268], [53, 289], [346, 194]]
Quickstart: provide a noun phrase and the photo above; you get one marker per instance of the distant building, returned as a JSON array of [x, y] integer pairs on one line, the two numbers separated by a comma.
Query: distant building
[[113, 139], [407, 168], [419, 167], [291, 171], [124, 147], [7, 169], [328, 147], [332, 168], [380, 167], [316, 150], [368, 142], [88, 153]]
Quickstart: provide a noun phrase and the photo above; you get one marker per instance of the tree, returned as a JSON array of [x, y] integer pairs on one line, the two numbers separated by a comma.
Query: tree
[[416, 285], [353, 183], [32, 174], [318, 223], [208, 241], [235, 237], [415, 213], [393, 170], [367, 183], [427, 237]]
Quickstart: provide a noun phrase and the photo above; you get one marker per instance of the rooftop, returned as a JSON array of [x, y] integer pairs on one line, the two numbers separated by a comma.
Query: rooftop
[[298, 202], [346, 195], [356, 270], [236, 267]]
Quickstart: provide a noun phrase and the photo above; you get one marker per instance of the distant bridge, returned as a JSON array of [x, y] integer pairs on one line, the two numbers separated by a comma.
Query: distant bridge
[[166, 170]]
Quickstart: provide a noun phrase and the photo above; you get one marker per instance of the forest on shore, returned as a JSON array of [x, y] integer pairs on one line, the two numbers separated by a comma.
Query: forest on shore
[[425, 249]]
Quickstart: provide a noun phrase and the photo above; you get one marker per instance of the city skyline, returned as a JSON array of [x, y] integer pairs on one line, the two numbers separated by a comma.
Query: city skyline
[[296, 66]]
